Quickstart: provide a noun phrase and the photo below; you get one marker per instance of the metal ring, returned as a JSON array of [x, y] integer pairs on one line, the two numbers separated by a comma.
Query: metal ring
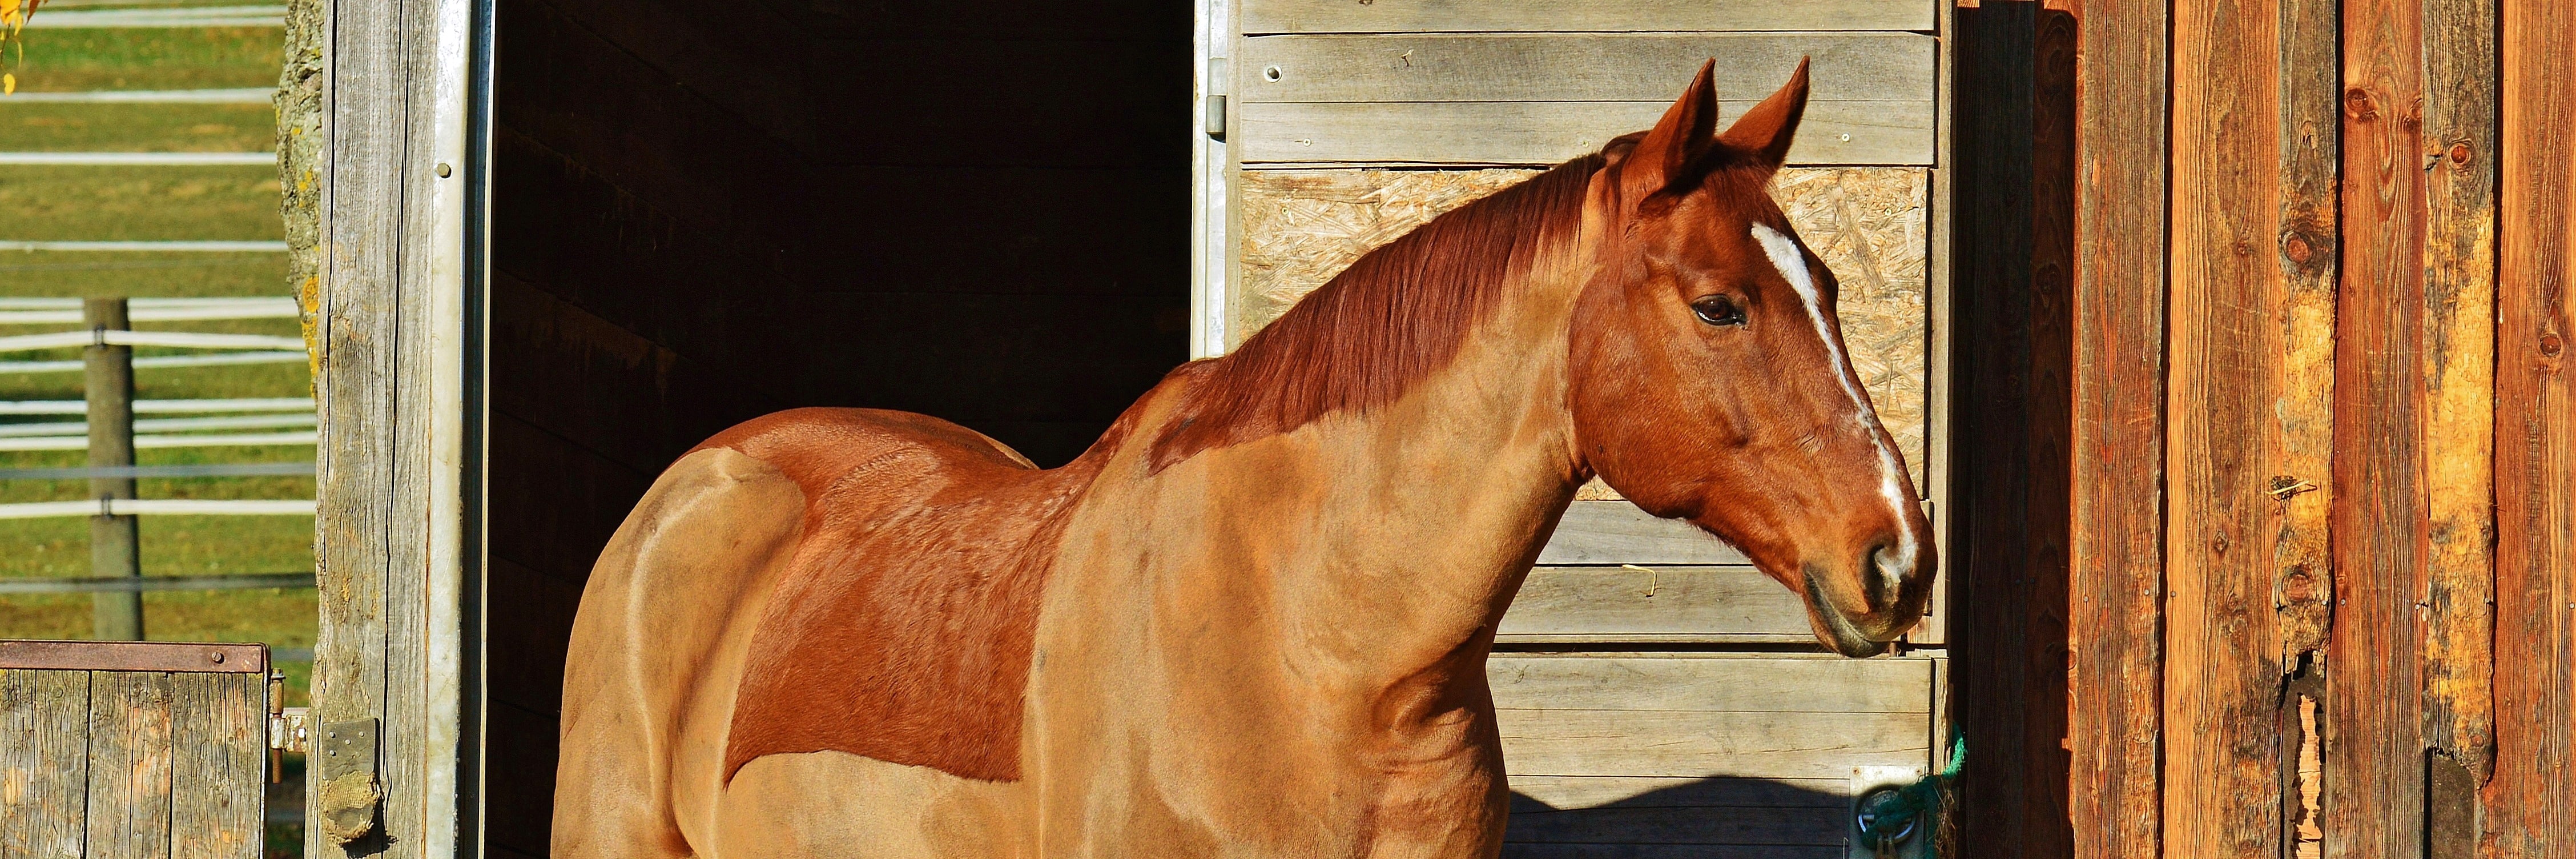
[[1867, 812]]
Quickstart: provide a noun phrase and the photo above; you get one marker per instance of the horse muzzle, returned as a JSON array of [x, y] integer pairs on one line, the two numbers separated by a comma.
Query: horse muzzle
[[1867, 635]]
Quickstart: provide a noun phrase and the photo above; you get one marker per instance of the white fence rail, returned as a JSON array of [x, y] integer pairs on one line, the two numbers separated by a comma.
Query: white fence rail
[[81, 428], [150, 442], [156, 407], [140, 159], [187, 16], [236, 95], [271, 246], [66, 311], [75, 364], [157, 506], [185, 340]]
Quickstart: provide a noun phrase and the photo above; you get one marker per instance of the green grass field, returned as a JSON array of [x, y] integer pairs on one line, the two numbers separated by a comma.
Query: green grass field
[[56, 127], [55, 203], [146, 58], [153, 203]]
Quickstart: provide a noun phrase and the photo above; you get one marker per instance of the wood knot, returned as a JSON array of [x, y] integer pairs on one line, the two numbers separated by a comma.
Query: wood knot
[[2297, 249], [2551, 343], [2357, 104], [2460, 154], [2298, 586]]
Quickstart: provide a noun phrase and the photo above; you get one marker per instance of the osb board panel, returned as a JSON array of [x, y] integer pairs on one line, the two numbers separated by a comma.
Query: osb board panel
[[1301, 227]]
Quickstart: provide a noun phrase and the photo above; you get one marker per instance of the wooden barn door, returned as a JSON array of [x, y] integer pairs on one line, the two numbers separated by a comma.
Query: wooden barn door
[[1658, 696]]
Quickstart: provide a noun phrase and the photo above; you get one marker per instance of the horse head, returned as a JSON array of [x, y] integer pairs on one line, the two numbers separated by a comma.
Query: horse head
[[1709, 378]]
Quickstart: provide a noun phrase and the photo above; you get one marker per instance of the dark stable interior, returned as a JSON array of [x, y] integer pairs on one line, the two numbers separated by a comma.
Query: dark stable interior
[[976, 210]]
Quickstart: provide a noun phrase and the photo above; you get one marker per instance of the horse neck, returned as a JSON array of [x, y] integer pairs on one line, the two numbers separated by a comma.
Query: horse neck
[[1433, 506]]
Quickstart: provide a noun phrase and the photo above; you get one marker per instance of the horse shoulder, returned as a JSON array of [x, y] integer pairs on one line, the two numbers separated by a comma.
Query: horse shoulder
[[902, 630], [657, 641]]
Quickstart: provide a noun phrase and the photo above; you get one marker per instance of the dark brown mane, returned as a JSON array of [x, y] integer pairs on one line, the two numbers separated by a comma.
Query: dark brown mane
[[1394, 316]]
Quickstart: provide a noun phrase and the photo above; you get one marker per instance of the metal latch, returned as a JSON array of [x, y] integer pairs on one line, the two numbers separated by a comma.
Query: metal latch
[[345, 770]]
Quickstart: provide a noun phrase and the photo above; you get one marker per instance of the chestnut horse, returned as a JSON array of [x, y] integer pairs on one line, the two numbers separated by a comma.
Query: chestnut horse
[[1252, 619]]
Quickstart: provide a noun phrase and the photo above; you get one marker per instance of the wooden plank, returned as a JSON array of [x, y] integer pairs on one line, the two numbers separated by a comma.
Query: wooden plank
[[1552, 793], [2310, 145], [1553, 68], [2014, 332], [1768, 825], [1544, 133], [1940, 313], [388, 325], [2459, 126], [2527, 810], [134, 656], [2309, 231], [1704, 744], [129, 765], [2005, 695], [2224, 435], [219, 732], [1616, 532], [1687, 603], [1681, 683], [360, 236], [2115, 554], [1257, 17], [2374, 753], [44, 762], [2040, 748]]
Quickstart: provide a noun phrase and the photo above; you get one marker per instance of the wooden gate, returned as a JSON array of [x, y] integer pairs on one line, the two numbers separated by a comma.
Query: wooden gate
[[1646, 677], [132, 749]]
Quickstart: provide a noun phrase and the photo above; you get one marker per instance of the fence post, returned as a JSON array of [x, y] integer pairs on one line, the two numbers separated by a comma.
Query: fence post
[[108, 388]]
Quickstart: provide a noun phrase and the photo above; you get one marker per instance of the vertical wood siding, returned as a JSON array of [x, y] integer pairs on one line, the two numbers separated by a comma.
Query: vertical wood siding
[[2375, 755], [2363, 645], [2117, 587], [2529, 809], [2223, 429]]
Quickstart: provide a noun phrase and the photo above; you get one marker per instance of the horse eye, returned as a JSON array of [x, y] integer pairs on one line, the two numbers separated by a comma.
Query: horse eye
[[1718, 310]]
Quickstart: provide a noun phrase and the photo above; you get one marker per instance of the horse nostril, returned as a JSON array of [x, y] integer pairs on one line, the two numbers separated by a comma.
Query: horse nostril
[[1886, 577]]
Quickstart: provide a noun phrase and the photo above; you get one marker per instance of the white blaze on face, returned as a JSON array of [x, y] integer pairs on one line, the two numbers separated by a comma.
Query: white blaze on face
[[1792, 264]]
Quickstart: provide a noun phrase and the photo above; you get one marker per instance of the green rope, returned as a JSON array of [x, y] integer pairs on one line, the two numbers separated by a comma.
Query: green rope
[[1915, 802]]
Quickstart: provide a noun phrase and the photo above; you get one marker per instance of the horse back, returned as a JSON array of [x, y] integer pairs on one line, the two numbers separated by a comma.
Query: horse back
[[902, 628]]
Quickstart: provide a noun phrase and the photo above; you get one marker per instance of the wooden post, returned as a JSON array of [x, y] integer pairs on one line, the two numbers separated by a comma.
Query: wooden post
[[108, 385]]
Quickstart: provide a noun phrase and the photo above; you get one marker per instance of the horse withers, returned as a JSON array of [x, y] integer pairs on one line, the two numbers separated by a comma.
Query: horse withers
[[1252, 620]]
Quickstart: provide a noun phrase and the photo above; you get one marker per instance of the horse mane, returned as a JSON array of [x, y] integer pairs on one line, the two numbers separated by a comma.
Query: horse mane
[[1396, 315]]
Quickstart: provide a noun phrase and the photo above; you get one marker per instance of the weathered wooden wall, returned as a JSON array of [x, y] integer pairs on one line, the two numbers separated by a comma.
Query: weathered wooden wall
[[2319, 574], [976, 211]]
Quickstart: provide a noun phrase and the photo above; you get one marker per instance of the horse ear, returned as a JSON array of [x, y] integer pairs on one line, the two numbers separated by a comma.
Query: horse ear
[[1761, 136], [1687, 129]]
